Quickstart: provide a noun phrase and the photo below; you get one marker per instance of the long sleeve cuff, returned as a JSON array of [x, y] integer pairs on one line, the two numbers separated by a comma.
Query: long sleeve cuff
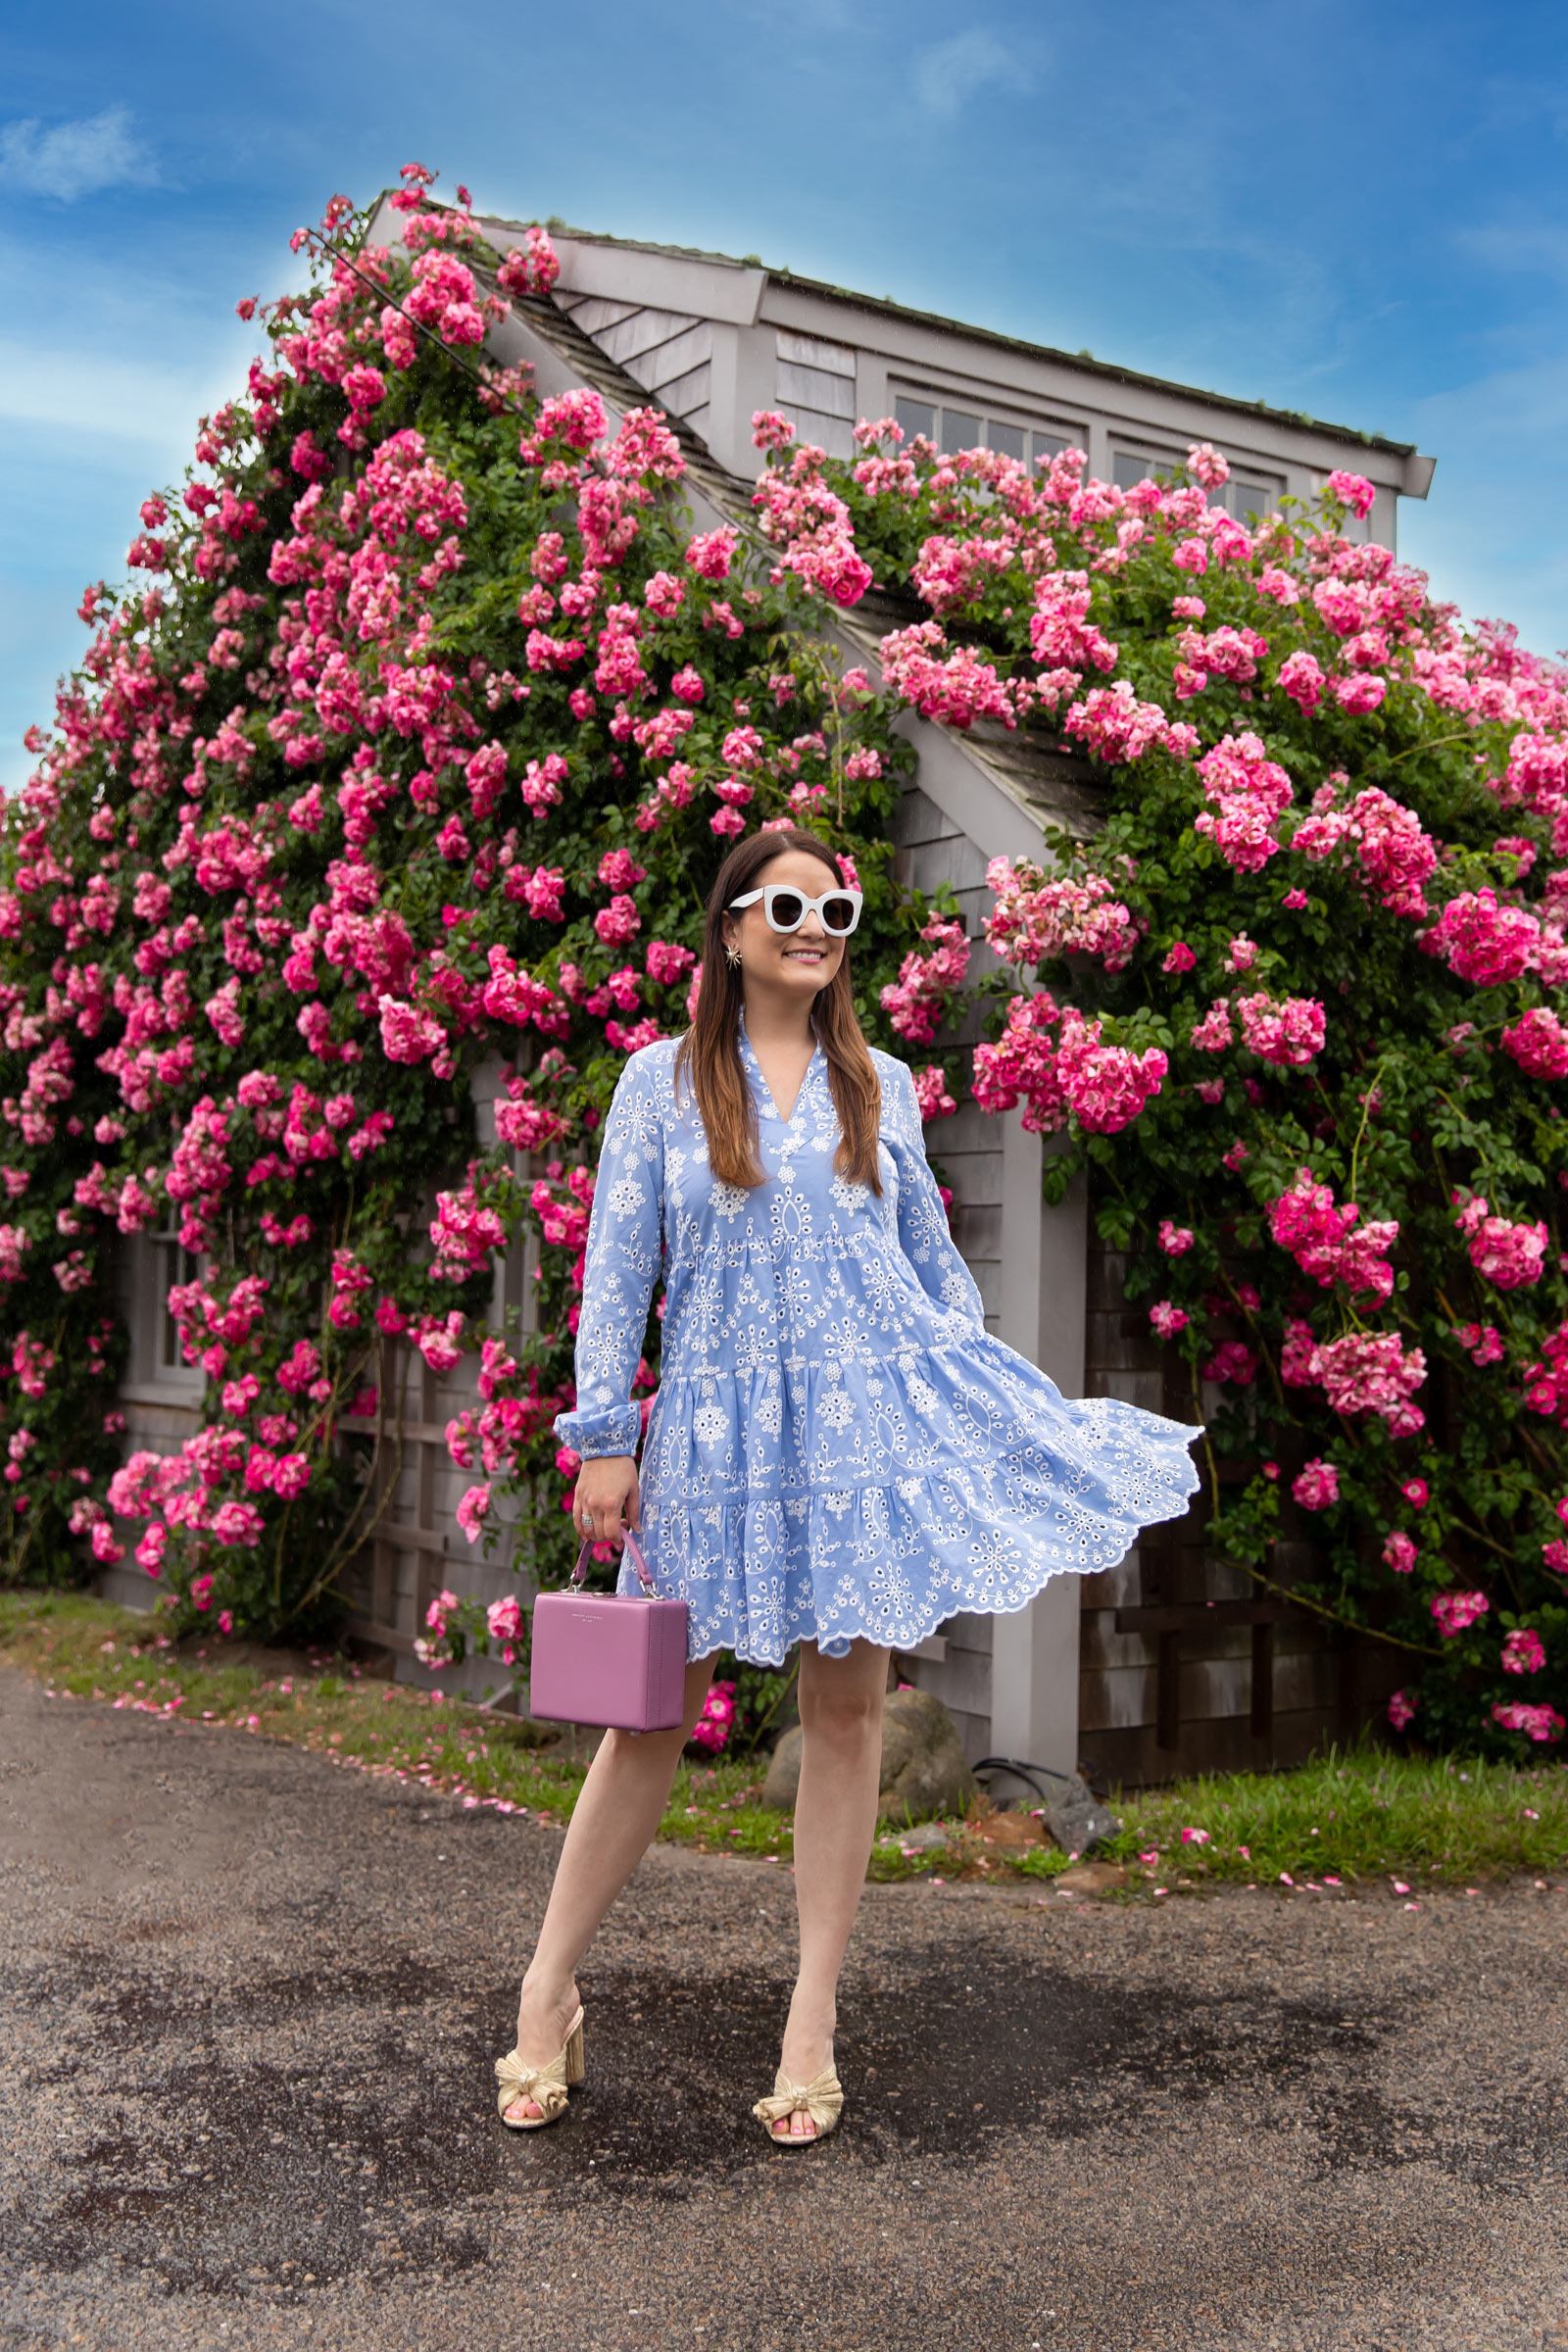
[[600, 1429]]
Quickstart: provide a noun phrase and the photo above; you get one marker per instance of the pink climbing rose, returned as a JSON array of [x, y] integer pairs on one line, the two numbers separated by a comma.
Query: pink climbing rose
[[1317, 1486], [1455, 1611], [1535, 1721]]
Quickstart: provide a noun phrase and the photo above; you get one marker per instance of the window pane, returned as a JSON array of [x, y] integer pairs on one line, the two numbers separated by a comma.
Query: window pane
[[177, 1266], [958, 431], [1127, 468], [1250, 500], [1047, 445], [915, 417], [1007, 438]]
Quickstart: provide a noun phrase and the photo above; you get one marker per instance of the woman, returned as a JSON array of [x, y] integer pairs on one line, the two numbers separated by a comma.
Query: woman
[[839, 1454]]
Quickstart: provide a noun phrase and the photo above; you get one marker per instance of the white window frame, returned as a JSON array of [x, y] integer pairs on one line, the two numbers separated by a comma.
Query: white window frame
[[988, 414]]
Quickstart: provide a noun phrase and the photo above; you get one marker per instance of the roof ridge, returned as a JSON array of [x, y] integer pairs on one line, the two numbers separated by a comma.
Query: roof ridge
[[1085, 363]]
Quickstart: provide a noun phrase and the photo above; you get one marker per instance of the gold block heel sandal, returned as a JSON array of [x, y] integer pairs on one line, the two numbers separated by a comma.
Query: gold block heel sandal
[[545, 2086], [822, 2099]]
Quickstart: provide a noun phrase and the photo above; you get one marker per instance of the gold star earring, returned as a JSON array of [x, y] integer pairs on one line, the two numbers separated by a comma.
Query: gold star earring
[[733, 957]]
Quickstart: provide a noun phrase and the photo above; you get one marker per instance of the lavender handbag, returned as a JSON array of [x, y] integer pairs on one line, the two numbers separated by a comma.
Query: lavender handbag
[[618, 1660]]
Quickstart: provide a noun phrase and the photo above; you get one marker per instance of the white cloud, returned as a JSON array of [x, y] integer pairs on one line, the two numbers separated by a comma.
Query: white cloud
[[74, 159], [97, 393], [1538, 247], [1494, 531], [1507, 419], [948, 75]]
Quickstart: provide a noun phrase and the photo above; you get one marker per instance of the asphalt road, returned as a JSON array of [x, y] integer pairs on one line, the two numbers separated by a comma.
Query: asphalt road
[[251, 2003]]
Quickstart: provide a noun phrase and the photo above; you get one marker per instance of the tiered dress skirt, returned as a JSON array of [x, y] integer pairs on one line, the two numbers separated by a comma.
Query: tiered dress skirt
[[838, 1449]]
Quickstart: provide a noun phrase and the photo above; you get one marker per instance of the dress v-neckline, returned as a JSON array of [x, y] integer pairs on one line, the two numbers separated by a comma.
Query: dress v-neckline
[[750, 1052]]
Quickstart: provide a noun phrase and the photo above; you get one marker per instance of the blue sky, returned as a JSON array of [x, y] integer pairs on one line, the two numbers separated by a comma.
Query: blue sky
[[1357, 211]]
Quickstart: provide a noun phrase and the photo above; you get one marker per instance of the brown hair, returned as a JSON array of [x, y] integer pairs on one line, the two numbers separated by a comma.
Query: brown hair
[[709, 1051]]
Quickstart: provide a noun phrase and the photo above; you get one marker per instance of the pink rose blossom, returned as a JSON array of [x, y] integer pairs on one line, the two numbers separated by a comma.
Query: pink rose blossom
[[1539, 1042], [1354, 490], [472, 1511], [1038, 917], [1369, 1372], [931, 1093], [1317, 1486], [238, 1523], [1288, 1033], [1246, 792], [1214, 1034], [1511, 1255], [1319, 1237], [1455, 1611], [1535, 1721], [504, 1619]]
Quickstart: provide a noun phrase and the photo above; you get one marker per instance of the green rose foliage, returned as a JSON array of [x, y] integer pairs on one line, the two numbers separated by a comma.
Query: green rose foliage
[[1294, 1006]]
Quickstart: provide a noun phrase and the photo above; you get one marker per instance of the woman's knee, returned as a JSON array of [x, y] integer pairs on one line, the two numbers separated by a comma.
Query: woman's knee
[[843, 1709]]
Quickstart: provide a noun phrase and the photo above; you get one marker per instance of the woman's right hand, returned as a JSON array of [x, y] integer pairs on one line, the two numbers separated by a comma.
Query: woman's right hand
[[607, 1500]]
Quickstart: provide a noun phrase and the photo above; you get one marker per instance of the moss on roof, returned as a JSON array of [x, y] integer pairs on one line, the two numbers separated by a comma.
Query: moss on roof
[[884, 304]]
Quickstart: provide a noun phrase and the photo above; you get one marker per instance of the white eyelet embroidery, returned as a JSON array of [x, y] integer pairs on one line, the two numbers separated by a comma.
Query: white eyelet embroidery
[[839, 1448]]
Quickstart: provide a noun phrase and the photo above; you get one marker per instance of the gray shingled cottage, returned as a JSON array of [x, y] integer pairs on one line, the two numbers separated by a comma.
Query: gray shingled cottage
[[1158, 1665]]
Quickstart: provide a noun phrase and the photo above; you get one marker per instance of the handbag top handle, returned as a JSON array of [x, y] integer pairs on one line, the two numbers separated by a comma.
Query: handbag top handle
[[629, 1539]]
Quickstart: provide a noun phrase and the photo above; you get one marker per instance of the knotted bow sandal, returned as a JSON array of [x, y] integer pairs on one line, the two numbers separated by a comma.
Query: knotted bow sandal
[[822, 2099], [545, 2086]]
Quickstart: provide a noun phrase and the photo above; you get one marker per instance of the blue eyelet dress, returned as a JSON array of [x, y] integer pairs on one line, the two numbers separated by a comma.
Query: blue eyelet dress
[[839, 1448]]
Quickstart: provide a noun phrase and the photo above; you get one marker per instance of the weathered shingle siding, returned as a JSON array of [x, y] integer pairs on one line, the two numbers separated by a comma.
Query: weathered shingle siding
[[931, 851], [1321, 1684], [966, 1148]]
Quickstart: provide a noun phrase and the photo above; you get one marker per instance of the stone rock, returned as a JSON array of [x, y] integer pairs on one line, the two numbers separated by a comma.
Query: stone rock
[[924, 1771], [1091, 1877], [1076, 1817], [924, 1837]]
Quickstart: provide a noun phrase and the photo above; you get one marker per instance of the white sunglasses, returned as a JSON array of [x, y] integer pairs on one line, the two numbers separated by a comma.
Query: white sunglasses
[[786, 910]]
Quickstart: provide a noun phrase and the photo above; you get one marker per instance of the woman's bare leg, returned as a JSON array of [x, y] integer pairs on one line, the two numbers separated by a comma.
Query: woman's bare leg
[[835, 1821], [618, 1811]]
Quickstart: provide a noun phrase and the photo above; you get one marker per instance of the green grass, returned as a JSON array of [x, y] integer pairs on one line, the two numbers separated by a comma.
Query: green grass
[[1355, 1815], [1360, 1818]]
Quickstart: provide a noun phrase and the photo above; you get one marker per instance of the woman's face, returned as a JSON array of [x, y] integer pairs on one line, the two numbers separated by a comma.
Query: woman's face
[[795, 964]]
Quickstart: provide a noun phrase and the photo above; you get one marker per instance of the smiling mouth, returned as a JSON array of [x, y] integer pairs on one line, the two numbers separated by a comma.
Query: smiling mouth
[[805, 956]]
